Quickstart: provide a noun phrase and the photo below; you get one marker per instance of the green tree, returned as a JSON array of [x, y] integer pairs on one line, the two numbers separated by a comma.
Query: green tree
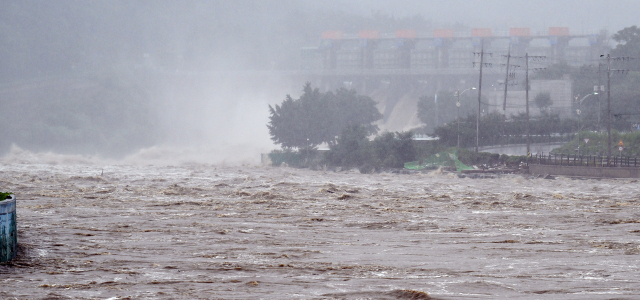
[[388, 150], [405, 147], [352, 149], [625, 97], [543, 101], [285, 125], [317, 118], [392, 150], [383, 149], [348, 109], [625, 102], [628, 45]]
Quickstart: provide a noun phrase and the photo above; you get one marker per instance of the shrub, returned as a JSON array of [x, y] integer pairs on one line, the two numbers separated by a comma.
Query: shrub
[[366, 169], [352, 149], [4, 195], [392, 150], [388, 150], [287, 156], [470, 157]]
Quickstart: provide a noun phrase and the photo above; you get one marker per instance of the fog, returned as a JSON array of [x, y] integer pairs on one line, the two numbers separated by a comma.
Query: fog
[[132, 130], [580, 16], [191, 80]]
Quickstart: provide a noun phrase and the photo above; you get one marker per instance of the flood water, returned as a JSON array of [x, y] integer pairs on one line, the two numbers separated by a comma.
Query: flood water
[[198, 231]]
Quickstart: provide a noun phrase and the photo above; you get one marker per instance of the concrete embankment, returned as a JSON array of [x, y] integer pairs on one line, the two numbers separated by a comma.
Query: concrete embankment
[[578, 171]]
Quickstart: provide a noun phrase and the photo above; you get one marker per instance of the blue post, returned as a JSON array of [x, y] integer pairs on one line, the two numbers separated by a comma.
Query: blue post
[[8, 229]]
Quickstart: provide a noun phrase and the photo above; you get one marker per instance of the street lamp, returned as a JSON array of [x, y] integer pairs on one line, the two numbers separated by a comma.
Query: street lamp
[[579, 112], [457, 94], [595, 92]]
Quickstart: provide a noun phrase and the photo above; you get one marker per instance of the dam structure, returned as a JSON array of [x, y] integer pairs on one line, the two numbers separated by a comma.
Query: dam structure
[[443, 53], [396, 69]]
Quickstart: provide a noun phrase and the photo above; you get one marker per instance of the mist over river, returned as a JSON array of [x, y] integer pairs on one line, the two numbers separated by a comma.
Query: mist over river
[[90, 230]]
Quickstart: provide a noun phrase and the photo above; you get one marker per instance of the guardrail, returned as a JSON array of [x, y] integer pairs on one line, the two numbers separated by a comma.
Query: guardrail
[[584, 160]]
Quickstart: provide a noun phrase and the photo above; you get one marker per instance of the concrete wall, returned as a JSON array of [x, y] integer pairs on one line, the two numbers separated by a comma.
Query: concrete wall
[[585, 171]]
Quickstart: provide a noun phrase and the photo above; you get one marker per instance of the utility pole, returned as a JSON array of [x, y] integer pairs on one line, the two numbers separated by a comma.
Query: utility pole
[[526, 88], [457, 94], [579, 117], [479, 94], [482, 63], [437, 113], [506, 82], [608, 108], [609, 71], [599, 102]]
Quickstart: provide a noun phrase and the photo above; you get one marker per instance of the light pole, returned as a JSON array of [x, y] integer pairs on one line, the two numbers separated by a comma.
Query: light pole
[[595, 92], [457, 94], [608, 109], [579, 112]]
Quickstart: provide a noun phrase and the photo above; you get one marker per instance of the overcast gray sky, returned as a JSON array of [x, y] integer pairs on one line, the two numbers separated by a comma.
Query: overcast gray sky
[[111, 40]]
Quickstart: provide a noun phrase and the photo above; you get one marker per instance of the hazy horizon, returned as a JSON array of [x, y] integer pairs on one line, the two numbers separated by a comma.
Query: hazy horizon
[[579, 16], [122, 49]]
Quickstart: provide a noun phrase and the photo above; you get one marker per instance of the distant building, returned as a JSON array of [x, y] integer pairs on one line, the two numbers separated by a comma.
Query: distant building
[[560, 91]]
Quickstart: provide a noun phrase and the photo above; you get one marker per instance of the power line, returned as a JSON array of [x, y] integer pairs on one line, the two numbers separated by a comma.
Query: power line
[[506, 80], [609, 71], [626, 114], [481, 54], [527, 58]]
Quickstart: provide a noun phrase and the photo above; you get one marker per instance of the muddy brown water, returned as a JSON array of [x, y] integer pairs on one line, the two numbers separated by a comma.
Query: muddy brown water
[[252, 232]]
